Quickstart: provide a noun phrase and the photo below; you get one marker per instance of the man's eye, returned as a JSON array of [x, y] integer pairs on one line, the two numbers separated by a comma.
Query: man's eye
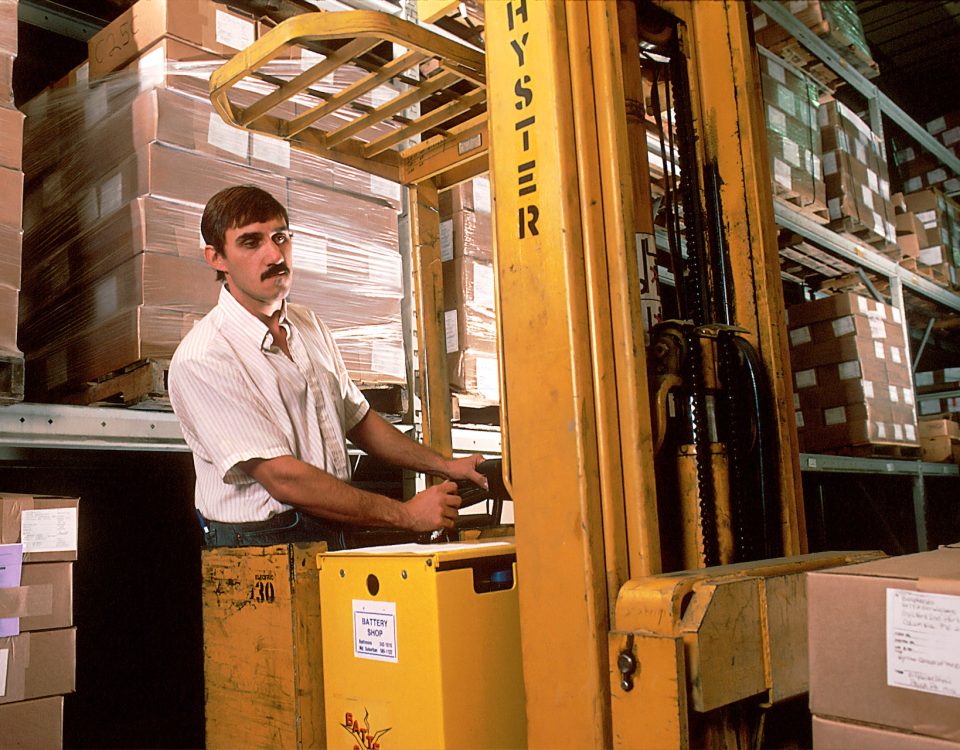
[[281, 238], [250, 243]]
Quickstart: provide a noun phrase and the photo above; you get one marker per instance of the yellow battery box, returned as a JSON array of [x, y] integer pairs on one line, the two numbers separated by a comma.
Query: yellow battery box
[[421, 647]]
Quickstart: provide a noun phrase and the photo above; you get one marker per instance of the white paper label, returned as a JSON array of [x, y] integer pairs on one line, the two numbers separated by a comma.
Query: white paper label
[[936, 126], [375, 630], [912, 185], [951, 136], [894, 393], [226, 137], [481, 195], [799, 416], [849, 370], [446, 240], [791, 152], [843, 326], [452, 332], [906, 154], [872, 182], [867, 388], [867, 197], [830, 163], [895, 355], [931, 256], [897, 431], [878, 329], [151, 69], [776, 120], [878, 350], [881, 430], [910, 431], [470, 144], [271, 150], [923, 640], [106, 297], [781, 174], [897, 317], [908, 396], [833, 204], [800, 336], [775, 70], [861, 150], [111, 194], [95, 106], [388, 360], [49, 530], [936, 176], [806, 378], [234, 32], [796, 400], [483, 286], [384, 188], [4, 660], [836, 415]]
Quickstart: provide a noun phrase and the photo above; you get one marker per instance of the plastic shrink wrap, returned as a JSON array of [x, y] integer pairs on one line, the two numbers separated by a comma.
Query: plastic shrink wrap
[[119, 168]]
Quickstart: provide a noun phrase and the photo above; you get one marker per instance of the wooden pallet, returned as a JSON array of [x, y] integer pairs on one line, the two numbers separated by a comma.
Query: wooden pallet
[[853, 230], [11, 378], [141, 385], [814, 211]]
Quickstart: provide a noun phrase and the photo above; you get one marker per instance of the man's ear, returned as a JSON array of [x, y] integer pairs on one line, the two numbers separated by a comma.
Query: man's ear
[[214, 259]]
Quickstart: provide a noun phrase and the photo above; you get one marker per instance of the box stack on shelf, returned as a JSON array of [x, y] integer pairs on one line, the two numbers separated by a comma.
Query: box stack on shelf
[[853, 389], [917, 169], [836, 22], [122, 161], [858, 183], [466, 248], [939, 257], [38, 544], [793, 135], [939, 409], [11, 207]]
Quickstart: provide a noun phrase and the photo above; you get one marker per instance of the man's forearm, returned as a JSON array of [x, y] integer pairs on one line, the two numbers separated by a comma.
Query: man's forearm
[[378, 438], [313, 490]]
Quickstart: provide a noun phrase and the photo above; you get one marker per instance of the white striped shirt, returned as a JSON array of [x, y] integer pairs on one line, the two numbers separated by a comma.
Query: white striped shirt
[[238, 397]]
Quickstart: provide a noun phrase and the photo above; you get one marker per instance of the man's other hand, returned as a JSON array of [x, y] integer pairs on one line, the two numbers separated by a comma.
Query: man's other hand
[[466, 468], [434, 508]]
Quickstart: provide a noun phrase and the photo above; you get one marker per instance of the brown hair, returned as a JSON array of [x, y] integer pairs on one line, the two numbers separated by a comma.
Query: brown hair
[[234, 207]]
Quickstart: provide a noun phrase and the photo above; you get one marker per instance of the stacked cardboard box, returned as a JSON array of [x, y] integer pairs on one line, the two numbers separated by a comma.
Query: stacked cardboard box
[[792, 102], [858, 185], [933, 394], [836, 22], [11, 203], [918, 169], [38, 544], [121, 163], [940, 216], [851, 375], [466, 248], [911, 233], [883, 645]]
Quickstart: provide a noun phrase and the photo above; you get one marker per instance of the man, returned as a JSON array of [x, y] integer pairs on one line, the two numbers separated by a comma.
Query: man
[[266, 405]]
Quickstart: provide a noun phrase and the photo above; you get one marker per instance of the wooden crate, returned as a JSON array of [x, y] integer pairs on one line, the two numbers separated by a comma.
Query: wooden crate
[[263, 665]]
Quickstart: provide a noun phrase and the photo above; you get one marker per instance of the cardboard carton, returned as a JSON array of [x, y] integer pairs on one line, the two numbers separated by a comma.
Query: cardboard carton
[[831, 734], [44, 598], [39, 664], [33, 725], [47, 526], [874, 633], [11, 138]]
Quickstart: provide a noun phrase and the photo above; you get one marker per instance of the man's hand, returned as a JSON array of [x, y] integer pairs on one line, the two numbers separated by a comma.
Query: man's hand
[[434, 508], [466, 468]]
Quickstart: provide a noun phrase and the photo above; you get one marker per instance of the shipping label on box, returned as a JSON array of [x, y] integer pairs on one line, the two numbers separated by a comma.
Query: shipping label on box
[[47, 526]]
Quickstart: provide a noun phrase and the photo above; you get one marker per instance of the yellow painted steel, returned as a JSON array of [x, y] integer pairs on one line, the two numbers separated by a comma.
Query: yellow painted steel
[[414, 655], [431, 333], [725, 89]]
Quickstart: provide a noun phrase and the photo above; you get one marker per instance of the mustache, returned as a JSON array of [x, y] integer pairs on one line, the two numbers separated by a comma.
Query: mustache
[[274, 271]]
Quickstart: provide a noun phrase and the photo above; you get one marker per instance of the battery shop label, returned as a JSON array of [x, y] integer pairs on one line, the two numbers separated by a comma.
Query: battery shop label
[[375, 630]]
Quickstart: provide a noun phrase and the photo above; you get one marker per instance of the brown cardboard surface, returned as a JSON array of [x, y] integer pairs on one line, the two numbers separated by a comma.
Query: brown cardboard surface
[[32, 725], [39, 664], [863, 326], [847, 627], [11, 197], [934, 427], [9, 308], [6, 78], [832, 734], [11, 251], [147, 21], [835, 306], [11, 138], [12, 507], [44, 598]]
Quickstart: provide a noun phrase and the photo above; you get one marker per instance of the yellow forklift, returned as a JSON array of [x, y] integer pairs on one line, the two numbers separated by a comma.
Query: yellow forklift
[[659, 528]]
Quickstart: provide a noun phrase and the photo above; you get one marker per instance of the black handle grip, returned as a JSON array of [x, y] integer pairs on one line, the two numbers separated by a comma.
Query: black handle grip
[[471, 494]]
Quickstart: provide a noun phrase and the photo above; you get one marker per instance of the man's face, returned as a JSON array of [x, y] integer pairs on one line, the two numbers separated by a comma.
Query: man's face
[[257, 261]]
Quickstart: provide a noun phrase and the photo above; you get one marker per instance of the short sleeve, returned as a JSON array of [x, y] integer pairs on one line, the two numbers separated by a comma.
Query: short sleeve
[[355, 404]]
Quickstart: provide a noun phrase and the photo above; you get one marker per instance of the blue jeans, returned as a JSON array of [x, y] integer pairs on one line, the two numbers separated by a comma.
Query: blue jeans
[[283, 528]]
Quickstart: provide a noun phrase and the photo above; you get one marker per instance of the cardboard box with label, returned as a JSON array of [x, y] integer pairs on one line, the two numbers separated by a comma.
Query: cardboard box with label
[[42, 600], [45, 525], [38, 664], [883, 644]]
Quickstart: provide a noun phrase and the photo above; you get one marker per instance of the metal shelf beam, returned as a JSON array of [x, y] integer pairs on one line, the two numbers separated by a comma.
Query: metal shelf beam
[[869, 259], [813, 462]]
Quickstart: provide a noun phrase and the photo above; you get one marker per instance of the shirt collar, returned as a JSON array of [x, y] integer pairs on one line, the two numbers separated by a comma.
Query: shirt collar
[[246, 327]]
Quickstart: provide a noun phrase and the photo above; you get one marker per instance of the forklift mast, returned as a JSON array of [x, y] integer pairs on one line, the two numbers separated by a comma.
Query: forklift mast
[[630, 637]]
